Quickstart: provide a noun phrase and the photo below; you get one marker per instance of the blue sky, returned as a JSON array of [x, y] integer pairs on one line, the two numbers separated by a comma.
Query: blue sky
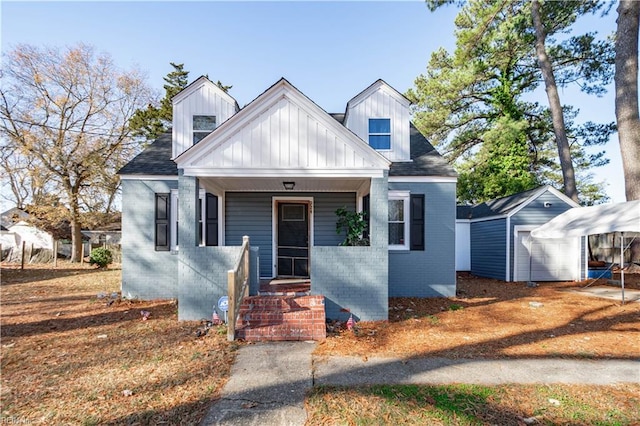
[[329, 50]]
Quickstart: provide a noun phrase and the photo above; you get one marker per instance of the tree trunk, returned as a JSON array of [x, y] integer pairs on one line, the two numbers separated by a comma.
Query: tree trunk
[[76, 241], [564, 153], [627, 114], [626, 80], [76, 234]]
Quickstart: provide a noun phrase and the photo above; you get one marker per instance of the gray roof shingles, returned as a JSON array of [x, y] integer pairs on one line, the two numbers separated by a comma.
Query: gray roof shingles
[[496, 207], [154, 160]]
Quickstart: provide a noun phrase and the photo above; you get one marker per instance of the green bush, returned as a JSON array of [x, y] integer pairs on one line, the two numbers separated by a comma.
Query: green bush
[[353, 224], [100, 256]]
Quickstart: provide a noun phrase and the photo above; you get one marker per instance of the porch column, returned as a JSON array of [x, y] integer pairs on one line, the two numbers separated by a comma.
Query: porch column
[[379, 213], [190, 289], [187, 206], [378, 263]]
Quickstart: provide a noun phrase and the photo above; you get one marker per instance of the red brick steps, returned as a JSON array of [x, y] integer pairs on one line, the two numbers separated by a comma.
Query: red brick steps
[[278, 318]]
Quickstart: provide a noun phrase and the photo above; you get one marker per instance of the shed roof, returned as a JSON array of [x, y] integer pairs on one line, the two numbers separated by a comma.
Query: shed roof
[[505, 206]]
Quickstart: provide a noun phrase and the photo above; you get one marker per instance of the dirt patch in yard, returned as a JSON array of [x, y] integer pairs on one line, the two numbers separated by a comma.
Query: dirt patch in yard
[[74, 352], [495, 319]]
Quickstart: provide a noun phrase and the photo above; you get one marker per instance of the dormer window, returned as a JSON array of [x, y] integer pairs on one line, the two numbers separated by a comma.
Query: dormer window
[[380, 133], [202, 126]]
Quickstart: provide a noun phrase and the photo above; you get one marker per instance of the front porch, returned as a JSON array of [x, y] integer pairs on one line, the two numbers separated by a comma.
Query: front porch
[[285, 287]]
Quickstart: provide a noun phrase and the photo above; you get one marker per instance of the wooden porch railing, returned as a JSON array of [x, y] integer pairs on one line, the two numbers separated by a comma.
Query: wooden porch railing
[[238, 287]]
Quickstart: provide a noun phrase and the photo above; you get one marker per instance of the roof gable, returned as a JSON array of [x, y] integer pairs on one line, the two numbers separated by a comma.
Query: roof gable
[[512, 204], [197, 84], [282, 132], [378, 85]]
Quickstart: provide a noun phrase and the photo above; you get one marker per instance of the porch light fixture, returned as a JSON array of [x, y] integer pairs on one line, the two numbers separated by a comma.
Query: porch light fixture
[[289, 185]]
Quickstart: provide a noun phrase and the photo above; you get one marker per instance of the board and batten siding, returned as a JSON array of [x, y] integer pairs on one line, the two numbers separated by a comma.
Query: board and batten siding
[[381, 104], [146, 273], [488, 250], [203, 100], [251, 213], [286, 136], [428, 273]]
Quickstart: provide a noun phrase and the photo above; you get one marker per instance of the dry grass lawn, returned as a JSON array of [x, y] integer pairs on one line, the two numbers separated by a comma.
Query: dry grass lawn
[[490, 319], [494, 319], [69, 357]]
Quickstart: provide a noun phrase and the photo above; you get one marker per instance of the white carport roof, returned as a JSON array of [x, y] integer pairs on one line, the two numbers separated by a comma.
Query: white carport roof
[[600, 219]]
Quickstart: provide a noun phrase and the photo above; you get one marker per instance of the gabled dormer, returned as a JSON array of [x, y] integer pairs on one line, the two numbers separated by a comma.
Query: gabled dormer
[[197, 110], [379, 115]]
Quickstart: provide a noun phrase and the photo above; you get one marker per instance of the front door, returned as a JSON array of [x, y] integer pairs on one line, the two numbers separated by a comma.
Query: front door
[[293, 239]]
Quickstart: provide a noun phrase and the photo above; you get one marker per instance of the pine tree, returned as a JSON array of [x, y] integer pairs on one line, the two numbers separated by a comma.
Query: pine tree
[[153, 120]]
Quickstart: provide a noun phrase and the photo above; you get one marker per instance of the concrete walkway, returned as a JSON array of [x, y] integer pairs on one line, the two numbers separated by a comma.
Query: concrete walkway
[[269, 380], [267, 386]]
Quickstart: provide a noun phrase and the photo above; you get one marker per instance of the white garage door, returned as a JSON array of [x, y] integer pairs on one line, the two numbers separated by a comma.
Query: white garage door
[[551, 259]]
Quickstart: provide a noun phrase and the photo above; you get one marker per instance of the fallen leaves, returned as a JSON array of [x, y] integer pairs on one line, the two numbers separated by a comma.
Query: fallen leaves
[[99, 362]]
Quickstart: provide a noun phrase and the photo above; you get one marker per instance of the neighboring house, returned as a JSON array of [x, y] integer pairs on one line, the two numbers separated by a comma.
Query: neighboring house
[[12, 216], [277, 170], [30, 235], [493, 239], [101, 236], [17, 230], [110, 233]]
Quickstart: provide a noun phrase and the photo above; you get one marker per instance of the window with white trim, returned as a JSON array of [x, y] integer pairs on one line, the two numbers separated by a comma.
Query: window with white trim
[[399, 220], [406, 221], [380, 133], [202, 126], [175, 219]]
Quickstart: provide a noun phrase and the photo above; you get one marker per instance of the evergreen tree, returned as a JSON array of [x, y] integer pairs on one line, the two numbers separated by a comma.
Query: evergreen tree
[[470, 103], [153, 120]]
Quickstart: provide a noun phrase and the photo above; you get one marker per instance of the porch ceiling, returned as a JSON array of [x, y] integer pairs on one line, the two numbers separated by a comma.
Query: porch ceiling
[[276, 184]]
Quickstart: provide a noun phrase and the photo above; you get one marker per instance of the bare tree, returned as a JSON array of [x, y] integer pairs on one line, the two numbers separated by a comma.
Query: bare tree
[[67, 111]]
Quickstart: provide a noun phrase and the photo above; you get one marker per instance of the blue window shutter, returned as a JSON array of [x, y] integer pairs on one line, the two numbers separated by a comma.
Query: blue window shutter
[[162, 220], [366, 200], [417, 222], [211, 226]]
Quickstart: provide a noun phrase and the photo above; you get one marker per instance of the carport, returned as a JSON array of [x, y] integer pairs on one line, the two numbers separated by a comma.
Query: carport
[[619, 218]]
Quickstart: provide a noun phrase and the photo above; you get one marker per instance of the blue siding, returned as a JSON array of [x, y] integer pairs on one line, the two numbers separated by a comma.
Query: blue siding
[[488, 248], [325, 206], [251, 213], [428, 273], [146, 273]]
